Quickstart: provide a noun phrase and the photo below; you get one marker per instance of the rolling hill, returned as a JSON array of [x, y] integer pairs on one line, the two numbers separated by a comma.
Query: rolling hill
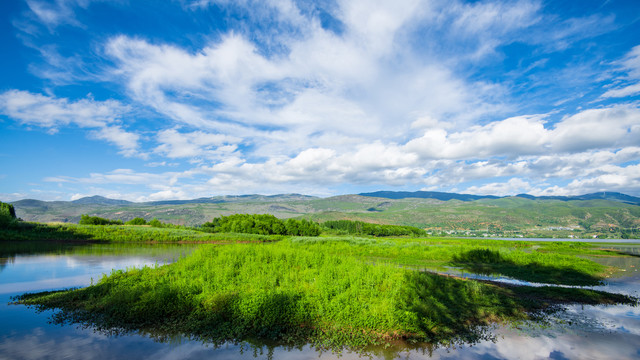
[[599, 213]]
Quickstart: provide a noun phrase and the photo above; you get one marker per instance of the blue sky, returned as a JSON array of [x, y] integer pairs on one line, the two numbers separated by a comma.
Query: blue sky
[[152, 100]]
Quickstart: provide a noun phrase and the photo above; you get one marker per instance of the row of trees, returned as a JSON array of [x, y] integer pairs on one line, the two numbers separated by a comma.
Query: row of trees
[[363, 228], [96, 220], [263, 224]]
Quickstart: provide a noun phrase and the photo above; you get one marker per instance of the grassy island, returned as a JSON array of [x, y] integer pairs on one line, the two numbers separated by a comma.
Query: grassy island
[[335, 291]]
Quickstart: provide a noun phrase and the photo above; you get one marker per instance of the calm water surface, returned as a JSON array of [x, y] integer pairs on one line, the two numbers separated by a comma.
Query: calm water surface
[[589, 332]]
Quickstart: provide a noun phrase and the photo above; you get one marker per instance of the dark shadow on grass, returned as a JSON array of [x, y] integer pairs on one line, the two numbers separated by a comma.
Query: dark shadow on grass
[[491, 262], [622, 252]]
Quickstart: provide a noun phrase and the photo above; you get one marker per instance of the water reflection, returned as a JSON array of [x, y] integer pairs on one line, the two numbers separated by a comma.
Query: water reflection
[[581, 332]]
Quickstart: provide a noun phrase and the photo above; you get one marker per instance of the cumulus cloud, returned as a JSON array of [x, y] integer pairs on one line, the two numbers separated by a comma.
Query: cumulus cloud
[[611, 127], [360, 83], [195, 144], [512, 187], [389, 94]]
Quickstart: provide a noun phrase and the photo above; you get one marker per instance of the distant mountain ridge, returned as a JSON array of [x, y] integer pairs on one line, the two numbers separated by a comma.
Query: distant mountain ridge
[[444, 196], [396, 195], [603, 213], [605, 195], [100, 200]]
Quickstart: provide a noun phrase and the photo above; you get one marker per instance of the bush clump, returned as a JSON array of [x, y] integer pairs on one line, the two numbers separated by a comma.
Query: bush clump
[[96, 220], [136, 221], [363, 228], [7, 214], [262, 224]]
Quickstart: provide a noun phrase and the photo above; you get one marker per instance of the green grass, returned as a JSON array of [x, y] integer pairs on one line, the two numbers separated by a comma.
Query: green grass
[[119, 233], [545, 262], [552, 263], [287, 293]]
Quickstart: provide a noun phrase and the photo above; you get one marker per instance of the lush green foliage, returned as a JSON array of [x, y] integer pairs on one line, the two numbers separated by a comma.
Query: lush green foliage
[[263, 224], [363, 228], [543, 262], [136, 221], [96, 220], [7, 214], [278, 292], [7, 210]]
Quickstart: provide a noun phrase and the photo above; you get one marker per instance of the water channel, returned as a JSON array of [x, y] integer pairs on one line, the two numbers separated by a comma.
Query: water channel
[[580, 332]]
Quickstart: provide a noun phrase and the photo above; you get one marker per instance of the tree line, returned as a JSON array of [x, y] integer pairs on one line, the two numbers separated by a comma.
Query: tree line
[[263, 224], [363, 228]]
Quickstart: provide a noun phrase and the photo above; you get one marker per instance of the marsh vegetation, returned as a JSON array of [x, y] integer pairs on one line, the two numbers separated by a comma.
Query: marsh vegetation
[[332, 291]]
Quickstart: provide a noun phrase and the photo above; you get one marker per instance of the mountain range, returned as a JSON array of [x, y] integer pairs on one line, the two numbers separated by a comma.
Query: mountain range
[[603, 211], [442, 196]]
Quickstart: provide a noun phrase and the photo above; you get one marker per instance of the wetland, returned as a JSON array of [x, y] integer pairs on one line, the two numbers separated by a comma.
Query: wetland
[[315, 297]]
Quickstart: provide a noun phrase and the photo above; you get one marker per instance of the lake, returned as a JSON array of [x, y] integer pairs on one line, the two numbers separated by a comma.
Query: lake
[[579, 332]]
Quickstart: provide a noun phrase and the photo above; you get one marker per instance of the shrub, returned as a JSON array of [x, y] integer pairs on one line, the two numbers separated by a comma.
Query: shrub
[[96, 220], [7, 210], [7, 214], [262, 224], [136, 221], [363, 228]]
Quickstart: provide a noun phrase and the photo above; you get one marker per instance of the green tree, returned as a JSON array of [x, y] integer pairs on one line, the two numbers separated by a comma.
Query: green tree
[[137, 221], [155, 223]]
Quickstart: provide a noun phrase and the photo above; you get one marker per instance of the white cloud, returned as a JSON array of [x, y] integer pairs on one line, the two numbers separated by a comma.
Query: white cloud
[[512, 187], [126, 141], [126, 176], [346, 85], [52, 112], [629, 65], [622, 92], [612, 127], [195, 144], [512, 137], [391, 95], [53, 13], [613, 178]]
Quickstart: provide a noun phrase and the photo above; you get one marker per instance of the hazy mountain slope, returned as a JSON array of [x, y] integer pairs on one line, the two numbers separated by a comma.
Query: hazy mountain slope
[[486, 214], [614, 196]]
